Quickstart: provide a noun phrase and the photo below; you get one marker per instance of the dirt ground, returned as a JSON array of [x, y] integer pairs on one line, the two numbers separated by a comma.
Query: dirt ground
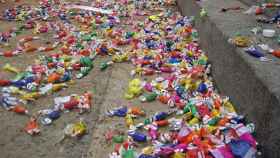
[[108, 88]]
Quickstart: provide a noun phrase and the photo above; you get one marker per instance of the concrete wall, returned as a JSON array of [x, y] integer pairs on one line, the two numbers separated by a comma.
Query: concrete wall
[[246, 80]]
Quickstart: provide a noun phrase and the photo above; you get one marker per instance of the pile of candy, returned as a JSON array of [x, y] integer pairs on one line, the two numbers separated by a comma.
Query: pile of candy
[[47, 75], [200, 122]]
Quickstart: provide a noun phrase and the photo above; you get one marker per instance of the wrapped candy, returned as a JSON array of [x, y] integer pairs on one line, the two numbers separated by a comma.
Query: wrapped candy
[[32, 127], [76, 130]]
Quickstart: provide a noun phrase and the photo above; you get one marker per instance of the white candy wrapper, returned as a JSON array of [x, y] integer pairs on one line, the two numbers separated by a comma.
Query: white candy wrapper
[[103, 11], [61, 100]]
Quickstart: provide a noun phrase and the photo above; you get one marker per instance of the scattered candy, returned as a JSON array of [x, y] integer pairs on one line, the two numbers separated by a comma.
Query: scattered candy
[[76, 130], [199, 123], [32, 127]]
